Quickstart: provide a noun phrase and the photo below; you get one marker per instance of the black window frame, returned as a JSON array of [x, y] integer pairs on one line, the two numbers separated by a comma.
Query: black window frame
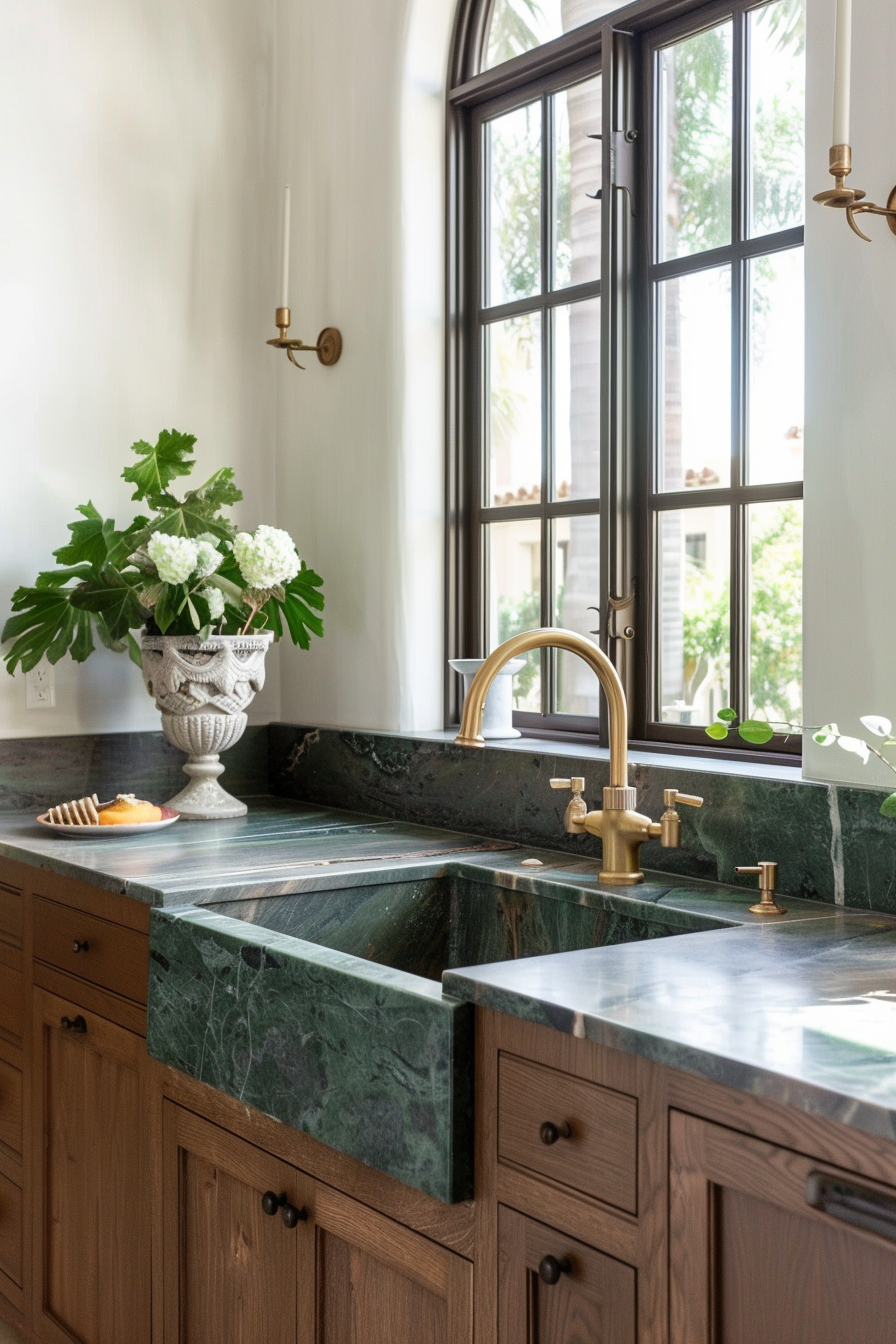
[[631, 35]]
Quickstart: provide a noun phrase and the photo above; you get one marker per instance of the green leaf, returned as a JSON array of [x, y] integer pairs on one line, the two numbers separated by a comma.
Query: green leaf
[[888, 806], [717, 731], [727, 715], [135, 653], [160, 465], [82, 644], [115, 599], [756, 732], [826, 736], [45, 622], [87, 544]]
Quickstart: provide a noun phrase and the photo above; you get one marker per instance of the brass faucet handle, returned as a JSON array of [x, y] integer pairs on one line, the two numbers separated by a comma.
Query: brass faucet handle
[[577, 784], [768, 876], [671, 797]]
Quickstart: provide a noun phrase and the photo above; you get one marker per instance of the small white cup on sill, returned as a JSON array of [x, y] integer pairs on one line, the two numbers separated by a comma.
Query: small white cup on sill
[[497, 718]]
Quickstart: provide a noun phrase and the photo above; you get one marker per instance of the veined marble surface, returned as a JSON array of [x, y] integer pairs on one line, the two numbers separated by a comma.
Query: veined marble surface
[[798, 1009]]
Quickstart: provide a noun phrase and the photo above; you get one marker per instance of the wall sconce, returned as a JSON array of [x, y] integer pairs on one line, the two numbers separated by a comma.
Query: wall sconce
[[329, 342], [840, 196]]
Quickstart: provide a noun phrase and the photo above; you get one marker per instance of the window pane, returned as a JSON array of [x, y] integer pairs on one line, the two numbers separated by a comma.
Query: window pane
[[693, 600], [577, 401], [694, 320], [776, 630], [514, 194], [513, 351], [577, 169], [695, 144], [576, 607], [777, 116], [521, 25], [514, 597], [776, 368]]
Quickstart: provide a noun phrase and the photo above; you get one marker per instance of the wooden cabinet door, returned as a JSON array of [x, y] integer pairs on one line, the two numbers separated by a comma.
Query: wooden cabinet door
[[766, 1244], [553, 1290], [381, 1283], [232, 1273], [91, 1224]]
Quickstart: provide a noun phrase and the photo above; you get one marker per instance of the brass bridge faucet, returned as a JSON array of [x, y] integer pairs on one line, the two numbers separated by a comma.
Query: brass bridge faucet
[[621, 829]]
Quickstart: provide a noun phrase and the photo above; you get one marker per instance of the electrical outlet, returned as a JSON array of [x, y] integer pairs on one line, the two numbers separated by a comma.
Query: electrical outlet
[[40, 687]]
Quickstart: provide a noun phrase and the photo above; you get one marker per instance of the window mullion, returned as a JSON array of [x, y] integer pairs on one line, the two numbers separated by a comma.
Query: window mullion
[[740, 344], [547, 363]]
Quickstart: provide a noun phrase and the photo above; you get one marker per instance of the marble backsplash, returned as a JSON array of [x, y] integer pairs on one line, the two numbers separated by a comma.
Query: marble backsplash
[[831, 843], [37, 772]]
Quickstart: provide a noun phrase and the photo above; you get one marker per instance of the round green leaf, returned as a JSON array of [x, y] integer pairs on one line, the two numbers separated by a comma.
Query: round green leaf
[[727, 715], [756, 732], [888, 806], [717, 731]]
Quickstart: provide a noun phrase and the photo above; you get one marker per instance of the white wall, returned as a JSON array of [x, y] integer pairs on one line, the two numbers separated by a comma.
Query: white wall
[[850, 593], [137, 271], [360, 477]]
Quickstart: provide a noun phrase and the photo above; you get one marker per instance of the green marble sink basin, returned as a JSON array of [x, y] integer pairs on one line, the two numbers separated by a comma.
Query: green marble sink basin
[[324, 1008]]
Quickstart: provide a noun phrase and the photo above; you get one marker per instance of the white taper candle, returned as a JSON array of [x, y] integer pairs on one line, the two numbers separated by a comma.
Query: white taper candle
[[842, 71], [284, 253]]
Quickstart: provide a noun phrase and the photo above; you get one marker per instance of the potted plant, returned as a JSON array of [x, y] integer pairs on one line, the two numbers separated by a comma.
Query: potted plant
[[206, 600]]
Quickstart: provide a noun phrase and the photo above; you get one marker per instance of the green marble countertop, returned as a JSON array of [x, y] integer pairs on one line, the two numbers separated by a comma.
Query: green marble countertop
[[802, 1011]]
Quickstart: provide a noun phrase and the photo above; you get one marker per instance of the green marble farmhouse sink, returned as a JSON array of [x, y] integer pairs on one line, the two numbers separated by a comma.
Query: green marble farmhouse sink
[[324, 1009]]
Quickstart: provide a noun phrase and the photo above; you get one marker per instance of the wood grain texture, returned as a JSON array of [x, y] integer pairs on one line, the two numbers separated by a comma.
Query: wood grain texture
[[593, 1302], [11, 924], [231, 1271], [90, 1187], [12, 1004], [751, 1260], [116, 958], [378, 1283], [600, 1157], [451, 1225], [11, 1231], [118, 909], [11, 1108]]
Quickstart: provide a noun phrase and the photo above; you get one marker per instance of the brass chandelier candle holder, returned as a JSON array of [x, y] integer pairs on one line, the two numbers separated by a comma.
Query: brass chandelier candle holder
[[328, 348], [853, 201]]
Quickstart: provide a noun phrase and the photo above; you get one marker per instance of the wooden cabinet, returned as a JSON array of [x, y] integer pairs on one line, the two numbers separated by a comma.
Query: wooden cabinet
[[91, 1240], [766, 1243], [554, 1290], [330, 1271]]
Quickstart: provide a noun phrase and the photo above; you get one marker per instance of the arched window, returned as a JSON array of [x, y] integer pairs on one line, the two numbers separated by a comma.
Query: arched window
[[626, 375]]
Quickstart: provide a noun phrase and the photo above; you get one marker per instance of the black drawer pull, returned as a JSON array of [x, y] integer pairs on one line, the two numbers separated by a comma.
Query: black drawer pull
[[80, 945], [549, 1132], [856, 1204], [550, 1269], [76, 1024], [291, 1216]]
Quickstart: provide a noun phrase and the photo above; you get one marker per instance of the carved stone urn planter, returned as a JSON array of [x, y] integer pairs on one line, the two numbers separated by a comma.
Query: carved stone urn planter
[[202, 687]]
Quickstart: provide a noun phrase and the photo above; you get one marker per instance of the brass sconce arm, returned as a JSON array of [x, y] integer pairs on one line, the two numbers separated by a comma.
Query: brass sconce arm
[[328, 348], [842, 197]]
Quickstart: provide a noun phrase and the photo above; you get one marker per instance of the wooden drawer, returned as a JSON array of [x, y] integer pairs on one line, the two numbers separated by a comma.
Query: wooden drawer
[[11, 1107], [598, 1156], [12, 1004], [11, 1230], [115, 958]]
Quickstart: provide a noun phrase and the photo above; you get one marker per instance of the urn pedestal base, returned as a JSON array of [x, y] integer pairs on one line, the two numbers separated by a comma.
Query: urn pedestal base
[[203, 736]]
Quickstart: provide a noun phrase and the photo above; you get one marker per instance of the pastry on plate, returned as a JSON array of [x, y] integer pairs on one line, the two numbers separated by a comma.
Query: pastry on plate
[[128, 810]]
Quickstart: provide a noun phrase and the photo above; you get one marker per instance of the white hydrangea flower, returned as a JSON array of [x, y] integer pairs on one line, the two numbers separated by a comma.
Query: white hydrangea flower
[[175, 558], [209, 557], [215, 599], [266, 559]]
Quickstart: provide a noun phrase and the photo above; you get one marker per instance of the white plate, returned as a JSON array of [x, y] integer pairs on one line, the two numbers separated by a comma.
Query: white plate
[[169, 817]]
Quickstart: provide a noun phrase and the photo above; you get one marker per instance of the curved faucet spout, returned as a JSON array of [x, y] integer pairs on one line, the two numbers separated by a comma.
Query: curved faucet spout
[[470, 734]]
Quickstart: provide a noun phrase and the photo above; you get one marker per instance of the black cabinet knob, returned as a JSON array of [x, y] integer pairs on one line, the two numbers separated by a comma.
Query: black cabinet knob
[[292, 1216], [80, 945], [76, 1024], [550, 1269], [550, 1132]]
